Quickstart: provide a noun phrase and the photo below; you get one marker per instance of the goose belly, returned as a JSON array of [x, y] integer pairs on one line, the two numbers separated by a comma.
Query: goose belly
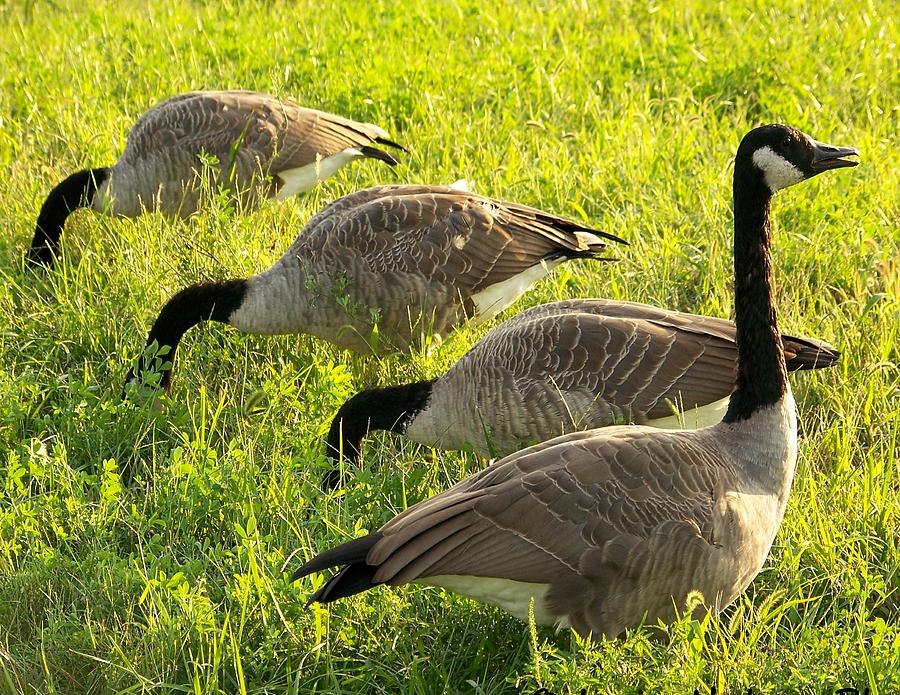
[[304, 178], [512, 596], [345, 304], [497, 297], [693, 418]]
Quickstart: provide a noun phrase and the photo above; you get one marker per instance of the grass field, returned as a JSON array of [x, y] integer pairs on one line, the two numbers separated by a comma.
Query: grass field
[[144, 551]]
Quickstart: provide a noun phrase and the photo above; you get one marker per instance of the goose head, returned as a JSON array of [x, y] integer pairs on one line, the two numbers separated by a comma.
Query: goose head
[[781, 156]]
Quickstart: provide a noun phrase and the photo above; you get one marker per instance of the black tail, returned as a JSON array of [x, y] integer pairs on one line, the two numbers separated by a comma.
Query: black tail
[[590, 254], [391, 143], [808, 353], [74, 192], [356, 575], [353, 579], [375, 153]]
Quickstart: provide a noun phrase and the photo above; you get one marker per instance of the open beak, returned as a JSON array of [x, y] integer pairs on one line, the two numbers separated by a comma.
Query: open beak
[[827, 157]]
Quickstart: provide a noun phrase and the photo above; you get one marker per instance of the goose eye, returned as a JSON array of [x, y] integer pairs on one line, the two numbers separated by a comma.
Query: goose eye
[[787, 141]]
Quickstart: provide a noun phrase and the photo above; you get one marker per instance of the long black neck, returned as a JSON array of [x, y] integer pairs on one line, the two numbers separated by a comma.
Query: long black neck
[[205, 301], [75, 192], [389, 408], [761, 379]]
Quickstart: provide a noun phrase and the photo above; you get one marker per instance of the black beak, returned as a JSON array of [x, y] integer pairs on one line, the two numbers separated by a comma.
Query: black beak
[[827, 157], [611, 237]]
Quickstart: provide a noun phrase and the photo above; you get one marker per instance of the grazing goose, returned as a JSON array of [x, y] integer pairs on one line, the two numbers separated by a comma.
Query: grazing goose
[[265, 147], [609, 528], [408, 259], [566, 366]]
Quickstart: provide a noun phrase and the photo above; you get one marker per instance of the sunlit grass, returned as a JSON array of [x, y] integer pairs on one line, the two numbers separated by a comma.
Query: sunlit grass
[[144, 551]]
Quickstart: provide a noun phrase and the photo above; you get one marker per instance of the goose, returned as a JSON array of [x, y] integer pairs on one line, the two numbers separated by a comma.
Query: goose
[[560, 367], [612, 528], [409, 259], [265, 148]]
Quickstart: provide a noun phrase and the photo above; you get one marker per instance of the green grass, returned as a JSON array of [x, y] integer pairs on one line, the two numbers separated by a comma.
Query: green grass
[[144, 552]]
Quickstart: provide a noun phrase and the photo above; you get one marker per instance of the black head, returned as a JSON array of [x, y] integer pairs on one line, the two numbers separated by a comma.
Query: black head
[[390, 408], [782, 156]]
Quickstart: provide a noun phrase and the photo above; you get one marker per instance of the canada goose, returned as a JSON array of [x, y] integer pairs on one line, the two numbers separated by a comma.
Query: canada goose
[[407, 258], [608, 528], [566, 366], [265, 147]]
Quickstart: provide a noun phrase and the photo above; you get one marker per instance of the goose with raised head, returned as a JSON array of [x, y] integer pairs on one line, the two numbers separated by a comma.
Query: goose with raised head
[[265, 147], [410, 259], [612, 528], [562, 367]]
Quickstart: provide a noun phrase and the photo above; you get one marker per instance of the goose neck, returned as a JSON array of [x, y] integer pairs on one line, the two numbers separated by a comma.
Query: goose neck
[[762, 377], [73, 192], [391, 408], [207, 301]]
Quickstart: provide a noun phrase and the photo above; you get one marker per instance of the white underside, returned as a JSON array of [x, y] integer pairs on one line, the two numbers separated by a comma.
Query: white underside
[[461, 185], [302, 179], [512, 596], [695, 418], [379, 131], [494, 299], [589, 239]]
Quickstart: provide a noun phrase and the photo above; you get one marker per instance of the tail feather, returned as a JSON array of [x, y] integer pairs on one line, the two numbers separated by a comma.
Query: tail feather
[[808, 353], [375, 153], [593, 242], [593, 254], [562, 225], [391, 143], [348, 553], [353, 579], [595, 246]]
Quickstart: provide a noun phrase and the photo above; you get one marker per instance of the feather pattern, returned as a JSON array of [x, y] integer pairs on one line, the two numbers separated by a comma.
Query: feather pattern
[[616, 526], [407, 258], [254, 138], [583, 363]]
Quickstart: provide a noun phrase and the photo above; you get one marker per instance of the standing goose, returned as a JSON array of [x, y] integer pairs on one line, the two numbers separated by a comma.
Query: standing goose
[[562, 367], [265, 147], [609, 528], [409, 259]]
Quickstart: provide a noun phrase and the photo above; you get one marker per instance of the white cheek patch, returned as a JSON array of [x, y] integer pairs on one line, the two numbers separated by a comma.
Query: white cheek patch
[[778, 172]]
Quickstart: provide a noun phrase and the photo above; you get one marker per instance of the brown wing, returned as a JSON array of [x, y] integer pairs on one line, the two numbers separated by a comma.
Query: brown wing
[[311, 135], [256, 132], [633, 369], [710, 325], [800, 352], [539, 512], [449, 236]]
